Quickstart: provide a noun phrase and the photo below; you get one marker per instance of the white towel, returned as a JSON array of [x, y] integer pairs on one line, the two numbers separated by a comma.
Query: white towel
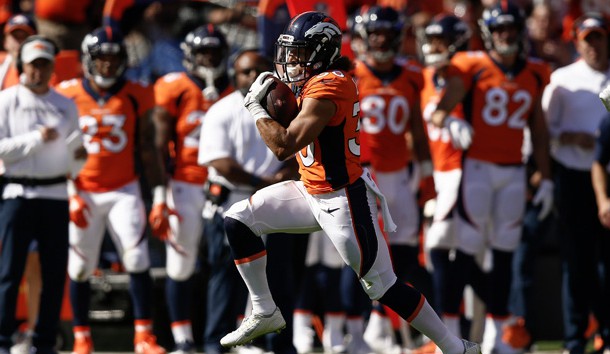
[[388, 223]]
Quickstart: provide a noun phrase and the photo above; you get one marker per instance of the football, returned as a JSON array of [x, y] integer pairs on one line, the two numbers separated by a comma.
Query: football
[[280, 103]]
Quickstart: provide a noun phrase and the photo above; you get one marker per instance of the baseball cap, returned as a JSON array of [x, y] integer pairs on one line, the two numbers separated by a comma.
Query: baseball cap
[[21, 22], [36, 49], [589, 23]]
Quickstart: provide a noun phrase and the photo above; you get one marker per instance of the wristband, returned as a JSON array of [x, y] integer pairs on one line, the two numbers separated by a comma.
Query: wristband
[[159, 195]]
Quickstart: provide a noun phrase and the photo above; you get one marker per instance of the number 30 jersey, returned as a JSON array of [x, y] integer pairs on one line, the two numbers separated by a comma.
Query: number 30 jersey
[[332, 160], [109, 131], [386, 106], [499, 104]]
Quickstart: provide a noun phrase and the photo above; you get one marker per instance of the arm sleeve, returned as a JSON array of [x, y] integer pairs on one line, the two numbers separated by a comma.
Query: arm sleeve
[[14, 148]]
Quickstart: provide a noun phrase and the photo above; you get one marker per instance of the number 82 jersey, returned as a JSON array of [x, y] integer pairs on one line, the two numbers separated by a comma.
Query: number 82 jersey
[[109, 126], [499, 103]]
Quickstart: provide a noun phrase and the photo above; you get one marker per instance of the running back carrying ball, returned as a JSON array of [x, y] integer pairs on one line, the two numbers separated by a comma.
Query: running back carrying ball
[[280, 103]]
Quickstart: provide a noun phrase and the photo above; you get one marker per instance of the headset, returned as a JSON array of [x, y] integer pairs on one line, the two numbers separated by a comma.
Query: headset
[[19, 62]]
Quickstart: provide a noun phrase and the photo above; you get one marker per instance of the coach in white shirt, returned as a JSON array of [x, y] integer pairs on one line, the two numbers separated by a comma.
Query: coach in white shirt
[[239, 164], [574, 114], [37, 130]]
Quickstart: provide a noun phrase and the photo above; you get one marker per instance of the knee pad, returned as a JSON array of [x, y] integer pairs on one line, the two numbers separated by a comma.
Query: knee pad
[[240, 211], [136, 260], [376, 284], [180, 267], [79, 269]]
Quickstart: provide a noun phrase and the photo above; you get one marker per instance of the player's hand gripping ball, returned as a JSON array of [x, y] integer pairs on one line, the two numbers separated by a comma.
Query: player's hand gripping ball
[[280, 103]]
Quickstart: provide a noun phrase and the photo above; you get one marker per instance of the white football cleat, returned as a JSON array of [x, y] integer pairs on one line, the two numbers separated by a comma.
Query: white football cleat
[[253, 327], [471, 347]]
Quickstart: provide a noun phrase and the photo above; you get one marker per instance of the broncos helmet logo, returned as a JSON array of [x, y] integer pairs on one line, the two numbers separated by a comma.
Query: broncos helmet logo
[[326, 29]]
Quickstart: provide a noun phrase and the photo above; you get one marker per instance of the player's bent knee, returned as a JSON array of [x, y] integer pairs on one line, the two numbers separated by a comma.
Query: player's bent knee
[[79, 273], [376, 285], [240, 211], [136, 260]]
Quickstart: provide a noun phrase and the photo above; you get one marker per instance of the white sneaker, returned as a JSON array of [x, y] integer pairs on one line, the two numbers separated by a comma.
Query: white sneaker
[[471, 347], [23, 343], [253, 327]]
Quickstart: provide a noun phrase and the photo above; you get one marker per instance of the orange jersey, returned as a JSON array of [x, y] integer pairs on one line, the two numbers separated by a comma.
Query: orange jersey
[[499, 104], [109, 132], [181, 97], [332, 160], [69, 11], [386, 109], [444, 156]]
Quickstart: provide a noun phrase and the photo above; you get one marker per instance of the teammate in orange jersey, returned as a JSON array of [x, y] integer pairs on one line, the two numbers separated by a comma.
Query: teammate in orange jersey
[[501, 92], [182, 101], [114, 115], [335, 193], [440, 40], [390, 109]]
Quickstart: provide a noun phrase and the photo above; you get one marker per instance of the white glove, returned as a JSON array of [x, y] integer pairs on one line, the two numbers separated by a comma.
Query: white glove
[[460, 132], [420, 171], [605, 97], [544, 196], [257, 91]]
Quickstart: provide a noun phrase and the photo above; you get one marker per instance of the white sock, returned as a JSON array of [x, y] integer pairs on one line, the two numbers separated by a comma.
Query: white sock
[[453, 325], [355, 327], [182, 331], [429, 324], [254, 274]]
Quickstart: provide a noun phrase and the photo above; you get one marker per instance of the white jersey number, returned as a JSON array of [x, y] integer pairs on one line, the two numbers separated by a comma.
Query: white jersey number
[[308, 159], [495, 112], [115, 141], [395, 114], [434, 133], [191, 140]]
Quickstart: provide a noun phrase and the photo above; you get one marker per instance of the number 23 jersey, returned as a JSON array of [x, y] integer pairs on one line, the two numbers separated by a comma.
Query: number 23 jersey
[[109, 131], [499, 104]]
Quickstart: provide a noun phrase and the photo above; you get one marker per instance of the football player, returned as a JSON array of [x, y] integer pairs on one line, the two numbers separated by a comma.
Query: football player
[[182, 100], [390, 109], [439, 41], [335, 193], [502, 90], [114, 116]]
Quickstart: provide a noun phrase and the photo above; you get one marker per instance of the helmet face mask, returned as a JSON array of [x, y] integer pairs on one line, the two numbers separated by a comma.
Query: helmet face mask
[[309, 45], [441, 38], [205, 52], [104, 56], [382, 31], [503, 29]]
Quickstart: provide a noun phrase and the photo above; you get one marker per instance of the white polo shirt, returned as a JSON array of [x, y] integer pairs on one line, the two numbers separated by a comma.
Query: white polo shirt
[[571, 104], [22, 150], [228, 130]]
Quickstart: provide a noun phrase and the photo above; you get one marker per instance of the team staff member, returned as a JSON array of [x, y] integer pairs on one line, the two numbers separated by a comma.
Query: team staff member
[[35, 122], [114, 115], [240, 163], [335, 194], [574, 115]]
